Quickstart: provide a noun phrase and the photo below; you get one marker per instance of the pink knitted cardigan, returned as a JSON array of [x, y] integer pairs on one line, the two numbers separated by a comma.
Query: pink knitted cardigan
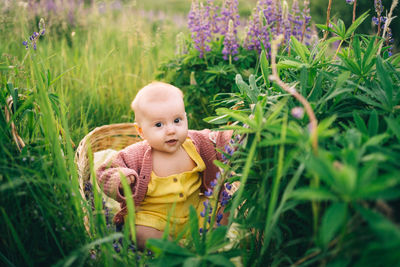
[[135, 163]]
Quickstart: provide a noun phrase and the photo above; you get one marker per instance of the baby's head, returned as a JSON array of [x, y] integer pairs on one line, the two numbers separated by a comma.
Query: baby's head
[[160, 116]]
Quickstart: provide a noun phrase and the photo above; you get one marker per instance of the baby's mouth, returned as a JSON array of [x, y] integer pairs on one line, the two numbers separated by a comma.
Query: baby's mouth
[[172, 141]]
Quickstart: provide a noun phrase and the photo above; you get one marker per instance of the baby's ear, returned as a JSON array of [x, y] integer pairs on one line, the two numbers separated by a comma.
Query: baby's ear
[[138, 129]]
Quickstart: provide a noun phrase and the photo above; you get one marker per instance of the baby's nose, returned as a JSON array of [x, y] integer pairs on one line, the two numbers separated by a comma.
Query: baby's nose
[[170, 128]]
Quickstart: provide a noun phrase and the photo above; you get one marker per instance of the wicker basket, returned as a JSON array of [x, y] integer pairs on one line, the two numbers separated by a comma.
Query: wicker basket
[[113, 136]]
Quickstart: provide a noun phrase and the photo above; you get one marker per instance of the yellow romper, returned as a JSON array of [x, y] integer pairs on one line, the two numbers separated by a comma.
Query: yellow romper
[[182, 189]]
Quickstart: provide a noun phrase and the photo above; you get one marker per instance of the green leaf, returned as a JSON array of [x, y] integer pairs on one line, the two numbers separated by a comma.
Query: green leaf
[[300, 49], [357, 50], [236, 115], [360, 123], [333, 219], [168, 247], [394, 126], [369, 55], [219, 260], [369, 101], [217, 119], [385, 80], [376, 140], [287, 64], [373, 123], [264, 67], [309, 193], [194, 228], [192, 262], [383, 228], [243, 87], [355, 25], [216, 239]]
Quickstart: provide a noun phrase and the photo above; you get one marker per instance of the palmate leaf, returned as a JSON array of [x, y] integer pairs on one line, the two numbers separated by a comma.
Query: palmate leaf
[[369, 55]]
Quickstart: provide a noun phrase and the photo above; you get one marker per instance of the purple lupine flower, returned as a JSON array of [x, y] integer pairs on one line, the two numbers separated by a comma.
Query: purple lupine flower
[[219, 217], [306, 30], [251, 41], [228, 186], [350, 2], [116, 247], [225, 198], [296, 20], [212, 11], [214, 183], [231, 44], [208, 193], [229, 11], [199, 26]]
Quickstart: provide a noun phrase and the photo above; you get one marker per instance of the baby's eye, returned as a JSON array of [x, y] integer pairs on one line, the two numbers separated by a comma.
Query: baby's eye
[[158, 124], [177, 120]]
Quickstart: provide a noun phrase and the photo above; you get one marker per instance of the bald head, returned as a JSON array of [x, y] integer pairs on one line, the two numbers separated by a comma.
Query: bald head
[[155, 93]]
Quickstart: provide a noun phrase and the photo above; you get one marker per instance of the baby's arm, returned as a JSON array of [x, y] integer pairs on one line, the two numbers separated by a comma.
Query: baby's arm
[[108, 175]]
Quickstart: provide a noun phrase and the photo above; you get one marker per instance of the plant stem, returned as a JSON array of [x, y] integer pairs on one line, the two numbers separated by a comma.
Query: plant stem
[[337, 50], [354, 10], [328, 17], [387, 23]]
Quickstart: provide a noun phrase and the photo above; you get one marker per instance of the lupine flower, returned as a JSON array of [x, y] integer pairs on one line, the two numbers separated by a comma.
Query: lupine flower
[[198, 23], [181, 47], [296, 20], [208, 193], [350, 2], [228, 186], [229, 12], [231, 44], [225, 198], [380, 22], [251, 42], [212, 11], [306, 31], [116, 247], [219, 217], [35, 36]]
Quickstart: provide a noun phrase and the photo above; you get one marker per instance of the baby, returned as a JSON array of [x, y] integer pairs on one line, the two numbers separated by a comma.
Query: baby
[[172, 166]]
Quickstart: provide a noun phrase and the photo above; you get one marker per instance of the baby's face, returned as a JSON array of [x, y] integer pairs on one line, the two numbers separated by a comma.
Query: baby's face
[[164, 125]]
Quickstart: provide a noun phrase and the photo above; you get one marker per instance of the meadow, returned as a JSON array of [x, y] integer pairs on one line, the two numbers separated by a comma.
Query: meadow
[[315, 107]]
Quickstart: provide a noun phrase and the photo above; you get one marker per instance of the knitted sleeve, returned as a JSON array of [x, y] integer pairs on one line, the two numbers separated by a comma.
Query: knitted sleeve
[[125, 163]]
